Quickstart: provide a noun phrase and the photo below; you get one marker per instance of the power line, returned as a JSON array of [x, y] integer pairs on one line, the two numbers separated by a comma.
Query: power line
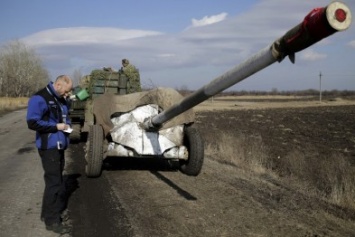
[[320, 86]]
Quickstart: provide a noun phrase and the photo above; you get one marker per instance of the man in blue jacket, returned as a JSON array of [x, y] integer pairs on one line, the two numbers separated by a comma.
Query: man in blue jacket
[[47, 114]]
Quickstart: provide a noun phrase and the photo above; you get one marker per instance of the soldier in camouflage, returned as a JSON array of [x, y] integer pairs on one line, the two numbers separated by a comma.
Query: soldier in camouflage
[[133, 77]]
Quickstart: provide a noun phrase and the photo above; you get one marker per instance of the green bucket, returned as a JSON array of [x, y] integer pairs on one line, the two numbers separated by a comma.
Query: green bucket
[[82, 94]]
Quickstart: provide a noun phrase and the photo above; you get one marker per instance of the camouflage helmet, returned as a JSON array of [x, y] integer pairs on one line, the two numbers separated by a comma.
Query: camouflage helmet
[[125, 62]]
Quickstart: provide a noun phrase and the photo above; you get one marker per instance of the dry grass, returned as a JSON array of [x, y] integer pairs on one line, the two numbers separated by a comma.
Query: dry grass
[[332, 178], [263, 102], [241, 151], [10, 104]]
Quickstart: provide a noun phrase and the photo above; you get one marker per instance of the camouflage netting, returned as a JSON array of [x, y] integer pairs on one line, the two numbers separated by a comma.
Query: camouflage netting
[[106, 105]]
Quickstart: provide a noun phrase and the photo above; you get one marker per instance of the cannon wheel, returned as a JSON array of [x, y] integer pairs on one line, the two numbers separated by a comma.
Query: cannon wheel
[[194, 143], [94, 152]]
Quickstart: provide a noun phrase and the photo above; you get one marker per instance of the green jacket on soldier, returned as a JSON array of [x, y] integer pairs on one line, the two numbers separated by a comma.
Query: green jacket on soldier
[[133, 77]]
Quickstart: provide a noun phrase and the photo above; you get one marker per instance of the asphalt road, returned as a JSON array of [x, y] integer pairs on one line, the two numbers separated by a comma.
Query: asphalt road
[[90, 211], [21, 179]]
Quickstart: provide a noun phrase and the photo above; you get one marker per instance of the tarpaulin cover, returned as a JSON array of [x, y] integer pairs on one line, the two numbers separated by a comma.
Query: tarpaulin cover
[[107, 105]]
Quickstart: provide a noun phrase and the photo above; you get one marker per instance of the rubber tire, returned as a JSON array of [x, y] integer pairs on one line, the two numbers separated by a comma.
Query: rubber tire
[[195, 146], [94, 155]]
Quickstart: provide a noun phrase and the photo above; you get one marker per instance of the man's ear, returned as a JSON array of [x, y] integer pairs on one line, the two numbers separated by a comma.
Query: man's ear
[[58, 85]]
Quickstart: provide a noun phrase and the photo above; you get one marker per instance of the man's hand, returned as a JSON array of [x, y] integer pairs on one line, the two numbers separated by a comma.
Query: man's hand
[[62, 126]]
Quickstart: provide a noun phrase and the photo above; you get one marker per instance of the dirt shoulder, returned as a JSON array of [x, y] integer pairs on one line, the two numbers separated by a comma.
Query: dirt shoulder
[[222, 201]]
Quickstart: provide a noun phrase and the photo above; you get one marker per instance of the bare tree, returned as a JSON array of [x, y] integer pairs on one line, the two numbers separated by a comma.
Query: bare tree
[[21, 70], [76, 77], [184, 90]]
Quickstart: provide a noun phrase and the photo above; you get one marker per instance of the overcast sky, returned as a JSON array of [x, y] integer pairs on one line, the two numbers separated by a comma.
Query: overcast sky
[[179, 43]]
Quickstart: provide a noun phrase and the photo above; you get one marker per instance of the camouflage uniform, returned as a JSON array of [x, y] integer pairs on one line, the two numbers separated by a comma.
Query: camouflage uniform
[[133, 77], [85, 82]]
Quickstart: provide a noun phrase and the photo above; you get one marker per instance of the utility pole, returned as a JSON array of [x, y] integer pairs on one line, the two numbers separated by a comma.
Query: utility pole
[[320, 86]]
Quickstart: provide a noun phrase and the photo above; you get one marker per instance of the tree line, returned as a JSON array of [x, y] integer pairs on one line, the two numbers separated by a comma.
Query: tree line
[[308, 92], [21, 70]]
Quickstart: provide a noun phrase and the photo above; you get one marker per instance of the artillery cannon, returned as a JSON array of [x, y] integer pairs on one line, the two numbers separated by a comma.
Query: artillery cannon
[[151, 124]]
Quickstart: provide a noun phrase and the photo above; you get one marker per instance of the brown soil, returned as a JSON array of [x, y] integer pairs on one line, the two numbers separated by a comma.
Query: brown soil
[[148, 198], [322, 130]]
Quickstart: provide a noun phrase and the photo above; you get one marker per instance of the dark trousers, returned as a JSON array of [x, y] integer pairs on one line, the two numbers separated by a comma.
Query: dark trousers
[[54, 193]]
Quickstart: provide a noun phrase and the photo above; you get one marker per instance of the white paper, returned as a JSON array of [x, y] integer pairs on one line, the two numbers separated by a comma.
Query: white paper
[[68, 130]]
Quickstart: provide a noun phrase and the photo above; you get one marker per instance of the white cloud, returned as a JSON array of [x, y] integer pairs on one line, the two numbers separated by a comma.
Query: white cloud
[[208, 20], [85, 35], [352, 43], [311, 55], [166, 55]]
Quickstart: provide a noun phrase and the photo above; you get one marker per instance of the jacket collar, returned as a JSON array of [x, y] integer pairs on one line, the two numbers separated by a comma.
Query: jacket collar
[[51, 90]]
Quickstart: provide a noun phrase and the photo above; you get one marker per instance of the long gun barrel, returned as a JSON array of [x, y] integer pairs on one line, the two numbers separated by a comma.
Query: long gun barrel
[[317, 25]]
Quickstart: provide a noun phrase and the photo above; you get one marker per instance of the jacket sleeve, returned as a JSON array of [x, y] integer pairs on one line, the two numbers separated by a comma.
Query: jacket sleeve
[[37, 108]]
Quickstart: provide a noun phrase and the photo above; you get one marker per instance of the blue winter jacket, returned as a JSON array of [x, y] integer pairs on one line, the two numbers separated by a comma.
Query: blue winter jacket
[[45, 110]]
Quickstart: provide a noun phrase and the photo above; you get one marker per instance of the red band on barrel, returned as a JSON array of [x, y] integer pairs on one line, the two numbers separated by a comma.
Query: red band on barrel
[[316, 25]]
